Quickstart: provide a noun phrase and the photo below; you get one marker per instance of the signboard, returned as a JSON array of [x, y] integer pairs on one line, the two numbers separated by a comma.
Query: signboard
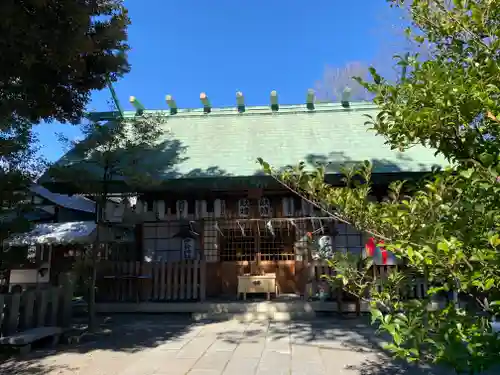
[[188, 248]]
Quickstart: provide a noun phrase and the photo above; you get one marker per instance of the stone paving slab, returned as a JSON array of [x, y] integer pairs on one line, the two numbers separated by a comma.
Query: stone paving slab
[[154, 345]]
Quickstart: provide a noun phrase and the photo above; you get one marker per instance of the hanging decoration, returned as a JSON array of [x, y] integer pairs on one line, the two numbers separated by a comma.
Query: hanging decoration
[[313, 224], [244, 207], [380, 255], [188, 248], [321, 227], [132, 201], [191, 228], [217, 228], [264, 207], [269, 226], [241, 228]]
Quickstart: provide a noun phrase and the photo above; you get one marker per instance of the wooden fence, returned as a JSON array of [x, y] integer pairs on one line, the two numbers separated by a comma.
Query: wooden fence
[[418, 290], [35, 308], [152, 281]]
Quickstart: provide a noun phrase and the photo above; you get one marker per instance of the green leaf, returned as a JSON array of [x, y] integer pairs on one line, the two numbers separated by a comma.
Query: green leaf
[[376, 315], [487, 159], [467, 173], [489, 284]]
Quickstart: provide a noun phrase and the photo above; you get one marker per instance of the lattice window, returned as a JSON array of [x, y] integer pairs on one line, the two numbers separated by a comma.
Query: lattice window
[[349, 238], [277, 244], [234, 246]]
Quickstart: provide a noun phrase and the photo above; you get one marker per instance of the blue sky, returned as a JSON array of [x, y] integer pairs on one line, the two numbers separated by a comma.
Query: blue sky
[[219, 47]]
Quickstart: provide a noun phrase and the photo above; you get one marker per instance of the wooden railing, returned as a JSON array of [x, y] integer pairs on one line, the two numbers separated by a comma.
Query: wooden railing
[[35, 308], [152, 281]]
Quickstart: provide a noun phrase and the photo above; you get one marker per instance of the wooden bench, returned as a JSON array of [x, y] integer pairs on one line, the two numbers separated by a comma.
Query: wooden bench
[[23, 340]]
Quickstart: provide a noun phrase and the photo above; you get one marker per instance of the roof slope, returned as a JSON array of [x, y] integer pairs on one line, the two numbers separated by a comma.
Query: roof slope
[[74, 202], [227, 143]]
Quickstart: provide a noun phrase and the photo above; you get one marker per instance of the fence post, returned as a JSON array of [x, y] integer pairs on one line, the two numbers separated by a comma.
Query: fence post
[[203, 279]]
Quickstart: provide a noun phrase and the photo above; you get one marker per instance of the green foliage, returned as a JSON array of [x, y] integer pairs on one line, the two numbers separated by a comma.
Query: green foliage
[[58, 52], [19, 166], [444, 228], [121, 150], [109, 153]]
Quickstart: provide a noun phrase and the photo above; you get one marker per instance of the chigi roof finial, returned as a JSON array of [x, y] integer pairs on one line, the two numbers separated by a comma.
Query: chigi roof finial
[[206, 103], [274, 101], [171, 104], [240, 102], [310, 99], [137, 104]]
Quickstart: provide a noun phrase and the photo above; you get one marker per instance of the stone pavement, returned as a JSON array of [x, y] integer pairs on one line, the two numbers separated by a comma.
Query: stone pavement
[[162, 345]]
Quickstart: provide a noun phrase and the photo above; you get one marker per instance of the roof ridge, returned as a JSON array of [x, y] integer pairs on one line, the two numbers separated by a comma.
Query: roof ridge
[[249, 110]]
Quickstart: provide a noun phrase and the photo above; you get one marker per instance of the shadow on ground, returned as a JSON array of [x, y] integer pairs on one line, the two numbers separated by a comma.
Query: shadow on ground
[[119, 333], [352, 342], [351, 339]]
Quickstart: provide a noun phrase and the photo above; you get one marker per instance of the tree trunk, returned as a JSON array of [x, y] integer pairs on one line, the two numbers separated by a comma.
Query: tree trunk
[[93, 277], [100, 205], [93, 272]]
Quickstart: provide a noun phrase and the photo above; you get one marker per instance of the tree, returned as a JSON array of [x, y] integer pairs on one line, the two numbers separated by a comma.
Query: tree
[[444, 228], [58, 52], [335, 80], [126, 151], [393, 38], [19, 166]]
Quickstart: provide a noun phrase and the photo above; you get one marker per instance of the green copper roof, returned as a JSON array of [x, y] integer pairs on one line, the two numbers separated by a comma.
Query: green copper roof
[[227, 143]]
